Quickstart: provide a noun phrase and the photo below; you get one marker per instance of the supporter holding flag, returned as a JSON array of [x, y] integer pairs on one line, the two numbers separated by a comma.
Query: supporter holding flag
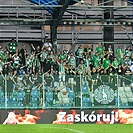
[[12, 47]]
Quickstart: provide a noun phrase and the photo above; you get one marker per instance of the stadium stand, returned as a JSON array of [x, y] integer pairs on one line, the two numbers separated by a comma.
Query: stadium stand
[[43, 74], [69, 78]]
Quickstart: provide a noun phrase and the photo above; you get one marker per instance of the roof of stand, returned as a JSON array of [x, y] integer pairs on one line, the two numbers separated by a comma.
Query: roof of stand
[[50, 5], [35, 12], [130, 0]]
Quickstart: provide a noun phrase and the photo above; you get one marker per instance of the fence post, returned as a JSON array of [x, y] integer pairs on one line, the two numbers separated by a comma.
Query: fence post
[[118, 91], [5, 91], [43, 99], [81, 91]]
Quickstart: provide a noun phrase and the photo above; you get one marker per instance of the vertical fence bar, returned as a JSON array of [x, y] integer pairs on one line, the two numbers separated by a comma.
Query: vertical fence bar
[[5, 91], [81, 91], [118, 92], [43, 98]]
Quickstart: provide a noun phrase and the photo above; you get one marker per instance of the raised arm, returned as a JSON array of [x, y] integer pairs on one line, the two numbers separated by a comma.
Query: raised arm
[[32, 46]]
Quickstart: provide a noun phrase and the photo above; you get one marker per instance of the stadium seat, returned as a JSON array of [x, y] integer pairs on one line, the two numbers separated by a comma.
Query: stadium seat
[[129, 94], [49, 98], [47, 88], [86, 101], [14, 102], [68, 89], [118, 102], [85, 89], [1, 98], [20, 98], [71, 95], [58, 105], [66, 105], [35, 96]]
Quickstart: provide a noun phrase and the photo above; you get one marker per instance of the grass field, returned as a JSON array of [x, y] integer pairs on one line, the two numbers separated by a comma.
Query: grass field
[[71, 128]]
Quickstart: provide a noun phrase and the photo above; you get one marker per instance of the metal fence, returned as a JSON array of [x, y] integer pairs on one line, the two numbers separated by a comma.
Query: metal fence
[[66, 91]]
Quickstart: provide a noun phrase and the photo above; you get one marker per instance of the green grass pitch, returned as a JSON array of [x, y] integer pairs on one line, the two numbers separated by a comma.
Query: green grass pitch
[[71, 128]]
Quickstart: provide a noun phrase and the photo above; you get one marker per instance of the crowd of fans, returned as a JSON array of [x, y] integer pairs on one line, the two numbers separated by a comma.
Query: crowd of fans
[[28, 75]]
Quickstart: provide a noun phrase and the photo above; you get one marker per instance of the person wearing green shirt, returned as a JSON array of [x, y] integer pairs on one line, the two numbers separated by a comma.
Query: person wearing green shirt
[[51, 56], [120, 54], [87, 61], [96, 60], [43, 56], [83, 65], [1, 65], [16, 60], [79, 55], [128, 52], [61, 70], [126, 63], [110, 53], [28, 62], [5, 56], [12, 47], [80, 52], [62, 56], [72, 60], [79, 70], [100, 49], [90, 48], [106, 63], [1, 51], [36, 64], [115, 64]]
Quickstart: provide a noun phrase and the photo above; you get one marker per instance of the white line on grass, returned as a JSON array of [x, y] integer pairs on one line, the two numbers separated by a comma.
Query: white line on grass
[[70, 129], [76, 131]]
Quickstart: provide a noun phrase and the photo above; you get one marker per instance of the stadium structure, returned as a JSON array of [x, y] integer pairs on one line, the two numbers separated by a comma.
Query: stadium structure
[[69, 92]]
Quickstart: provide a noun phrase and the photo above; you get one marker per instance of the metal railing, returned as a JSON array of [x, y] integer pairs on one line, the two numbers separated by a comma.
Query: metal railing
[[66, 91]]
